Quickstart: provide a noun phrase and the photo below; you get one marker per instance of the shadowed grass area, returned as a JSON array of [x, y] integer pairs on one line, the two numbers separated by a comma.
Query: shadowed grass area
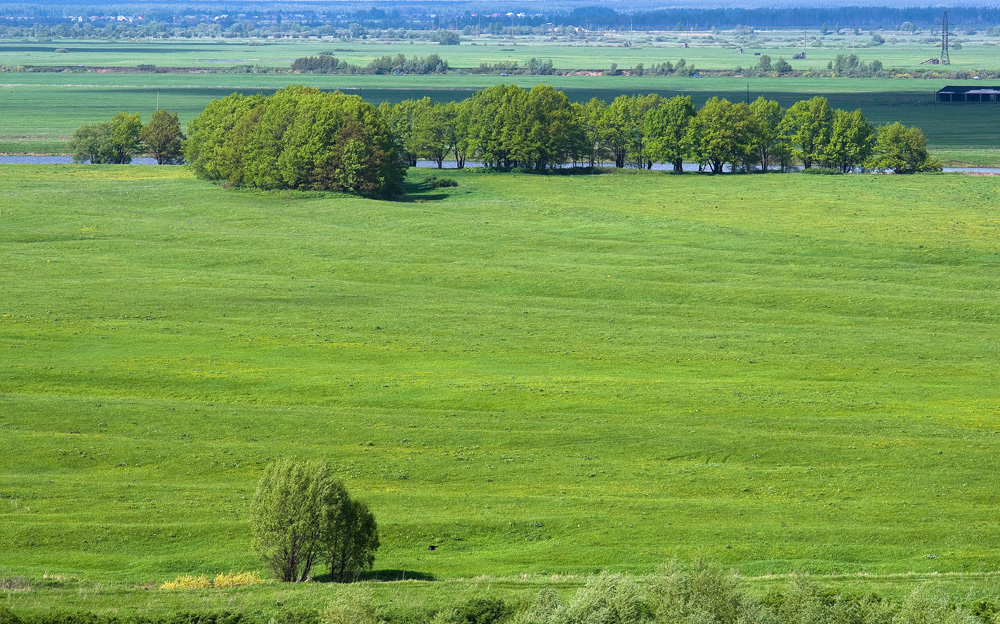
[[536, 374]]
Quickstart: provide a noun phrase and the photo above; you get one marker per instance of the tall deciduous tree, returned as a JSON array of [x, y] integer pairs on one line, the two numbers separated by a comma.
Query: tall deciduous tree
[[807, 126], [126, 129], [766, 142], [162, 137], [668, 129], [851, 140], [723, 133], [301, 515]]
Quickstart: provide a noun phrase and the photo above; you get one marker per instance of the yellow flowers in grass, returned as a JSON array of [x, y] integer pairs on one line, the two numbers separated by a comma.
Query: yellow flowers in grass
[[186, 581], [236, 580]]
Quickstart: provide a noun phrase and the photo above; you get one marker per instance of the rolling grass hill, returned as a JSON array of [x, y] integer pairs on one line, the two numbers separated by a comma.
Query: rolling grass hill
[[537, 374]]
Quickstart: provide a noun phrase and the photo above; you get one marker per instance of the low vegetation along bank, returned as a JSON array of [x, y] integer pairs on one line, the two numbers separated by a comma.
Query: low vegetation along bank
[[688, 593]]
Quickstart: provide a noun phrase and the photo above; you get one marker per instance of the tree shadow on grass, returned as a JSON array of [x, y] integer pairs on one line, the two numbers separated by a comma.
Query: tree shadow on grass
[[383, 575], [417, 190]]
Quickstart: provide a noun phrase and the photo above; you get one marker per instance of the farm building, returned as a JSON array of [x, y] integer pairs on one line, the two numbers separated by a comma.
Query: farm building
[[969, 94]]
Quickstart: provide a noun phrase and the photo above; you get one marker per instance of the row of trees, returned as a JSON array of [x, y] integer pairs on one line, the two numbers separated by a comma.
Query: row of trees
[[326, 63], [505, 126], [117, 141], [301, 516], [300, 137]]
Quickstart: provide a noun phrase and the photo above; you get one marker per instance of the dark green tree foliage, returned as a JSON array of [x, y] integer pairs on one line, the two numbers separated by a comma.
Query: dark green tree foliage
[[494, 116], [670, 128], [322, 64], [767, 142], [807, 124], [620, 129], [301, 515], [298, 138], [92, 143], [547, 128], [901, 150], [126, 129], [400, 119], [851, 140], [352, 541], [114, 142], [723, 134], [162, 137]]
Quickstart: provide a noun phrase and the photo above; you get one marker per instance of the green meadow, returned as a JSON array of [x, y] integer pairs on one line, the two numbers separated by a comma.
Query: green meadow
[[542, 376], [711, 51]]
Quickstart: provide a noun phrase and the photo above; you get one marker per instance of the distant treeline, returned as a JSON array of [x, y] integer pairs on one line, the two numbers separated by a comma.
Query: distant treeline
[[326, 63], [422, 21]]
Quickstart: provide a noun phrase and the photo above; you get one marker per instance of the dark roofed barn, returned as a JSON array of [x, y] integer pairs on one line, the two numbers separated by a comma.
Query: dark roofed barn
[[969, 94]]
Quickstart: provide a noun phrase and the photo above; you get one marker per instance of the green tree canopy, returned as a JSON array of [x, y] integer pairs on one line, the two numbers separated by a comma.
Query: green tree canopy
[[301, 514], [851, 140], [901, 150], [299, 137], [807, 126], [670, 132], [163, 138]]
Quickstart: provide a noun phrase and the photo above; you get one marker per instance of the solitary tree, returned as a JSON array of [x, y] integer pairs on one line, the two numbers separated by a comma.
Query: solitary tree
[[301, 515], [162, 137]]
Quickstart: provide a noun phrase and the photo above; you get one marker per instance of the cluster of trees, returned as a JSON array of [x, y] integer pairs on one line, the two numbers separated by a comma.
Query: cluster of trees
[[505, 126], [535, 67], [326, 63], [300, 137], [301, 515], [115, 142]]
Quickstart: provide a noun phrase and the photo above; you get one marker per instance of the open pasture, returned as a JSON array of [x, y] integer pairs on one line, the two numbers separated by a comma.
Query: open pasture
[[536, 374], [43, 110], [718, 51]]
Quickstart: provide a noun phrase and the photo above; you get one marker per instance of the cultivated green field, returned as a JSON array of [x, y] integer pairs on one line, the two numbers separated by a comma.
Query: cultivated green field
[[539, 375], [705, 50], [41, 110]]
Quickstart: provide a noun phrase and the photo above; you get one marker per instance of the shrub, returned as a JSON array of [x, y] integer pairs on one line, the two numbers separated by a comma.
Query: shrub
[[926, 606], [607, 599], [436, 182], [7, 616], [701, 592], [821, 171], [482, 610]]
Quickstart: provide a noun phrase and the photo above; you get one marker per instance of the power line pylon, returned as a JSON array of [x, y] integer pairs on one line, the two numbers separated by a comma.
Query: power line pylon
[[945, 57]]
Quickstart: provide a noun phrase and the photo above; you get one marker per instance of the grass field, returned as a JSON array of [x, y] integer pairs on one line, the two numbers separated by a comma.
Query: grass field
[[705, 51], [539, 375], [43, 110]]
